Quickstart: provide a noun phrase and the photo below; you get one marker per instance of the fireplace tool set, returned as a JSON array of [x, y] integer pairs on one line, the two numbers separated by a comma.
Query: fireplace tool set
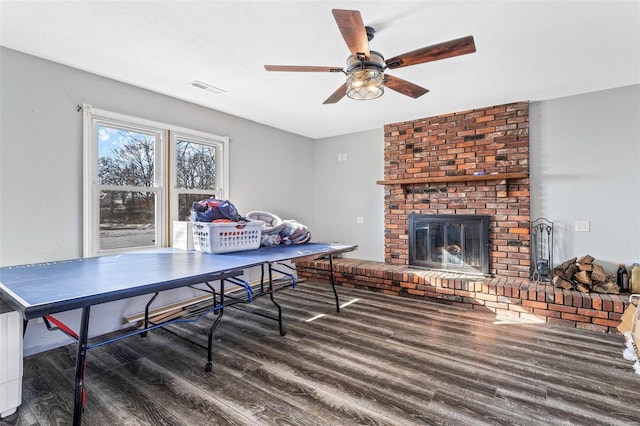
[[541, 250]]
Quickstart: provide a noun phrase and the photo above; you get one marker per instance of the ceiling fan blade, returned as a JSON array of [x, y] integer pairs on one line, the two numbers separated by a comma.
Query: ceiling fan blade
[[353, 31], [447, 49], [301, 68], [337, 95], [403, 86]]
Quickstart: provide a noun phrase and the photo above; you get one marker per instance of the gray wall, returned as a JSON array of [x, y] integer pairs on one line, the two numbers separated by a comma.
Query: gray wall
[[41, 167], [585, 165], [345, 190]]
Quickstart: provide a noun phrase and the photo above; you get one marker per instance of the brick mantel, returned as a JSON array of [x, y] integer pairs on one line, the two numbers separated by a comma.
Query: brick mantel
[[429, 169]]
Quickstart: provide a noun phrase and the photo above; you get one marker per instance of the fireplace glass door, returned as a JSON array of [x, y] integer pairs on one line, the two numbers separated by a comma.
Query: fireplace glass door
[[450, 242]]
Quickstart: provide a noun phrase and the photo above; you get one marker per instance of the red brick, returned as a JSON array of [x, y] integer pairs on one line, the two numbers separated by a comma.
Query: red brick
[[576, 318], [593, 313], [563, 308], [607, 322], [534, 304], [547, 313]]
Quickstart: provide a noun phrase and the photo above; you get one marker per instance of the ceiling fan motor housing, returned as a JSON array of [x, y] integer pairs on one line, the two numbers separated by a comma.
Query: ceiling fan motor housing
[[375, 61]]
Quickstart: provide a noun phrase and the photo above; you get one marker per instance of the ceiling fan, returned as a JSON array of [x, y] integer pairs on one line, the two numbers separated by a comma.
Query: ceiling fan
[[365, 69]]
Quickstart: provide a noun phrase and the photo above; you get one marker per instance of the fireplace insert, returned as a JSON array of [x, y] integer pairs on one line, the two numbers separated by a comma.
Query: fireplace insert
[[450, 242]]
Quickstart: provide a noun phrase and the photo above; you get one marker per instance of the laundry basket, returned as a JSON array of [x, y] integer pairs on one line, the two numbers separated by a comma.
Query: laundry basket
[[225, 237]]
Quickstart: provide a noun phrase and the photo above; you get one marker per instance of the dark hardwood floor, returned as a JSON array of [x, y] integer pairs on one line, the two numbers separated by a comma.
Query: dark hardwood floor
[[382, 360]]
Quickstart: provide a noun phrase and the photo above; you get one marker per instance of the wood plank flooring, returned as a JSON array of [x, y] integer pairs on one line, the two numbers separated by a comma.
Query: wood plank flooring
[[382, 360]]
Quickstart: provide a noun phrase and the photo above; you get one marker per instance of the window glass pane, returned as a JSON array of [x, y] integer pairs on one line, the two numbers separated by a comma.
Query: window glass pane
[[125, 157], [185, 201], [195, 165], [127, 219]]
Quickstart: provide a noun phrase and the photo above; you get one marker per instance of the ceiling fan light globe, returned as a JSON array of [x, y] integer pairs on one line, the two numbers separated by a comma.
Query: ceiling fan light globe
[[364, 84]]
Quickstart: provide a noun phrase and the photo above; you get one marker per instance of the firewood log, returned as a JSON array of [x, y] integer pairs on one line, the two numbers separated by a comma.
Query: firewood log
[[598, 274], [562, 268], [586, 259], [582, 288], [588, 267], [607, 287], [582, 277], [560, 282], [570, 272]]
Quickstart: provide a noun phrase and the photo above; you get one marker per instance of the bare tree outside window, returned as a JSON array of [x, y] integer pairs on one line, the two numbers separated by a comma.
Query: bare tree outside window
[[196, 165], [130, 161], [195, 170], [127, 159]]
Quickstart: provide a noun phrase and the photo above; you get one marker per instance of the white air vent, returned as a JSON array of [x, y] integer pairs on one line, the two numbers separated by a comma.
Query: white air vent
[[205, 86]]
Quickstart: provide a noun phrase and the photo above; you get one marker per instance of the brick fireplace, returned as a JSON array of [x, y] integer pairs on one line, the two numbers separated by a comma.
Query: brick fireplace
[[472, 162], [429, 169]]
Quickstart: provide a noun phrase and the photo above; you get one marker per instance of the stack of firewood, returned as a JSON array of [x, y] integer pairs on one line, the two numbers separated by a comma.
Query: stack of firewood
[[583, 275]]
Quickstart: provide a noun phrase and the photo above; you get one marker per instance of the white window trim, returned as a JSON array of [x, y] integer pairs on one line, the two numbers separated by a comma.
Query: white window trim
[[91, 209]]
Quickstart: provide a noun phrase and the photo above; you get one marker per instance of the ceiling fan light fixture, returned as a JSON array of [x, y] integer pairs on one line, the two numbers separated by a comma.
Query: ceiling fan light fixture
[[364, 84], [365, 77]]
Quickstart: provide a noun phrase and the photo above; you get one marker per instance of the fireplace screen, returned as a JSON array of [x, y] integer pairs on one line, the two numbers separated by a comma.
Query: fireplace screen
[[450, 242]]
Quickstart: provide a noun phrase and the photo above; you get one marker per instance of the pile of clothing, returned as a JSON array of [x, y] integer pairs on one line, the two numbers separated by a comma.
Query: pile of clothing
[[214, 210], [277, 231]]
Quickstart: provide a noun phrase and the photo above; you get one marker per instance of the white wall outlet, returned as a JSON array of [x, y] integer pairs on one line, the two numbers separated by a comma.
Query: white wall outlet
[[582, 226], [359, 220], [342, 157]]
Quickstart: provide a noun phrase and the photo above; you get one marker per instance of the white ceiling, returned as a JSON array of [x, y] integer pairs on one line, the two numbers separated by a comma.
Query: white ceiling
[[526, 50]]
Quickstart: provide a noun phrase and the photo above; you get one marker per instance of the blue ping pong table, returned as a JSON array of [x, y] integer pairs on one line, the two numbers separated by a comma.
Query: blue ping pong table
[[42, 289]]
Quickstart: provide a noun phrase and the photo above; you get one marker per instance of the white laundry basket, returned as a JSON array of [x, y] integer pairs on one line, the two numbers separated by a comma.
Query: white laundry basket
[[224, 237]]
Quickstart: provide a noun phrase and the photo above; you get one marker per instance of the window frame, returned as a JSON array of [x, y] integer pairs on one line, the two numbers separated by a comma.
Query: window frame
[[165, 190]]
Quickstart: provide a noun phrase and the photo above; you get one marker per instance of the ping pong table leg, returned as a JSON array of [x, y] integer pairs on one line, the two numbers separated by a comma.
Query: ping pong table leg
[[80, 395], [209, 364], [333, 282], [146, 315], [271, 291]]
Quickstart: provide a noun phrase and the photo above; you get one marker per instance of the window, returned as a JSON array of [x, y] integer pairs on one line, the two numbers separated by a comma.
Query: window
[[140, 176], [197, 161]]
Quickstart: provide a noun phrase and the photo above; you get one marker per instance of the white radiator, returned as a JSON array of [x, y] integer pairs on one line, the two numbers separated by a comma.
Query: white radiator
[[10, 360]]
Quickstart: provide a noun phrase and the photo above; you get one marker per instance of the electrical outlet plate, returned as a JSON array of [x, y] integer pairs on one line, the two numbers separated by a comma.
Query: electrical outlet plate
[[582, 226]]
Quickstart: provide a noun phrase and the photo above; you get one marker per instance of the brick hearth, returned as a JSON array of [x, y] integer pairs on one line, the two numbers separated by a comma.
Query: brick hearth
[[507, 297]]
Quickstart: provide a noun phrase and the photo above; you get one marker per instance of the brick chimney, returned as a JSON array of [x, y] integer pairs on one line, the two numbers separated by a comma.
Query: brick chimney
[[469, 162]]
